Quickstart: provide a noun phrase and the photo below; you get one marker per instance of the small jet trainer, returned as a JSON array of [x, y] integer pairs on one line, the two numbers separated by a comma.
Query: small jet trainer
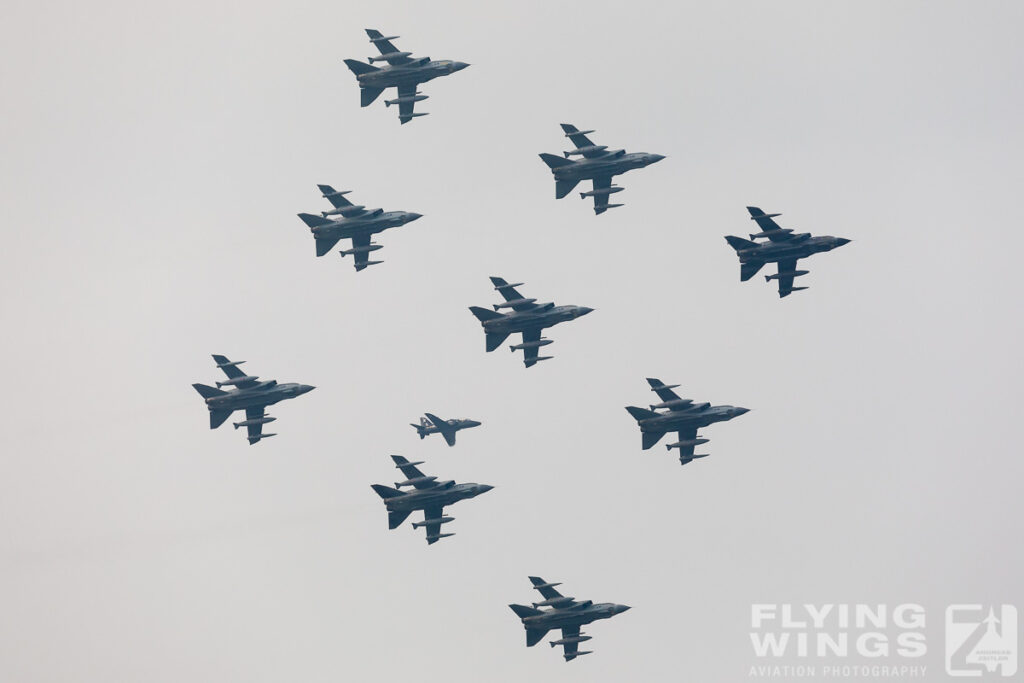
[[403, 72], [428, 495], [355, 222], [782, 247], [432, 424], [566, 613], [681, 415], [249, 395], [598, 164], [527, 317]]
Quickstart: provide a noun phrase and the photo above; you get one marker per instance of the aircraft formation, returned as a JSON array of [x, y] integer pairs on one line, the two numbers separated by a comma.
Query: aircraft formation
[[514, 315]]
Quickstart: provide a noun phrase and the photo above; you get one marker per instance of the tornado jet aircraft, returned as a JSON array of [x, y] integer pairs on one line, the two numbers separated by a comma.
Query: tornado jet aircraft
[[403, 72], [598, 164], [432, 424], [781, 246], [679, 415], [428, 495], [354, 222], [566, 613], [527, 317], [249, 394]]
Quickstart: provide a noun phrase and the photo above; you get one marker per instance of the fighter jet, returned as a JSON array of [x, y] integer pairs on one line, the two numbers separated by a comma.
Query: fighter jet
[[403, 72], [782, 247], [527, 317], [432, 424], [249, 394], [598, 164], [355, 222], [428, 495], [680, 415], [566, 613]]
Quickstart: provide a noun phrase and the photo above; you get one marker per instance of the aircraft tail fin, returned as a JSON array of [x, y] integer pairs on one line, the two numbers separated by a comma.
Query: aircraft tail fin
[[739, 243], [208, 392], [641, 413], [360, 68], [368, 95], [386, 492], [554, 162], [483, 315], [522, 611], [313, 221]]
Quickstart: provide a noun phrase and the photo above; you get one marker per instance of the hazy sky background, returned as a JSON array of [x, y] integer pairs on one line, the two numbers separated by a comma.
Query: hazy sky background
[[152, 161]]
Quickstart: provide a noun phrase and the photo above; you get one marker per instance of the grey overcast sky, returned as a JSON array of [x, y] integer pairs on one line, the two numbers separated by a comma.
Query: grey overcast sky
[[153, 158]]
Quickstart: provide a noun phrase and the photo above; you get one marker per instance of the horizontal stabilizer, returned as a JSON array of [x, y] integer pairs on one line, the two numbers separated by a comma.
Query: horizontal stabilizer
[[256, 438], [564, 187], [649, 439], [218, 417], [569, 656], [368, 95], [396, 517], [535, 635], [494, 340], [749, 269], [325, 243]]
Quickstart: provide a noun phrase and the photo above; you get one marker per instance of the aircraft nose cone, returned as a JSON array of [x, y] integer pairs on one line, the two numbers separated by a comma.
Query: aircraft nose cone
[[484, 488], [584, 310], [306, 388], [742, 411], [841, 241], [655, 158], [619, 609], [410, 217], [459, 66]]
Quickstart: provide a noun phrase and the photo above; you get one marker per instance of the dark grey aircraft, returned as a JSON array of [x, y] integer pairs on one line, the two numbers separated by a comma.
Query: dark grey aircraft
[[566, 613], [598, 164], [782, 247], [355, 222], [527, 317], [680, 415], [432, 424], [428, 495], [249, 394], [403, 72]]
